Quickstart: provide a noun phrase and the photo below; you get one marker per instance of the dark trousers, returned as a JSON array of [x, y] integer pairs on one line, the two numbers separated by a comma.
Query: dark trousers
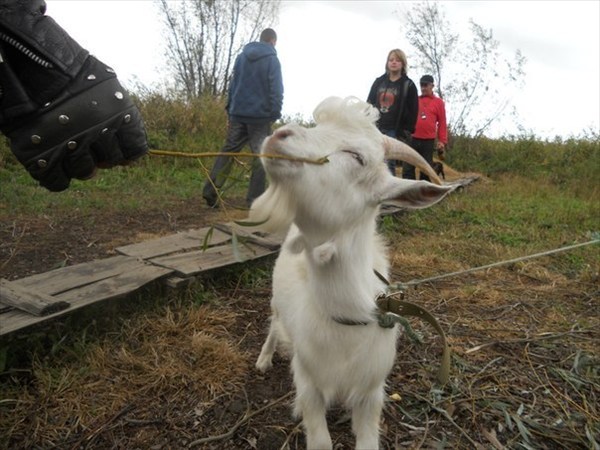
[[391, 163], [238, 135], [424, 147]]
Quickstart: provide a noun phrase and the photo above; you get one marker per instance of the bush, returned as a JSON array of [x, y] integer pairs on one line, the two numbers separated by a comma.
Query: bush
[[186, 126], [573, 162]]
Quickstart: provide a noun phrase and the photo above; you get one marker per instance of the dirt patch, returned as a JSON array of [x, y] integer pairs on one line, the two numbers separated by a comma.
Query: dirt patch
[[31, 245]]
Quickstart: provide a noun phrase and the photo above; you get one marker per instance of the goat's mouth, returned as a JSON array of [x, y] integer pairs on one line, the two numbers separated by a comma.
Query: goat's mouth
[[278, 150], [279, 160], [273, 150], [276, 155]]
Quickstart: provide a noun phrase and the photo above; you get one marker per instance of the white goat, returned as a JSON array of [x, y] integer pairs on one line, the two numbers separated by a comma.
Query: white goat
[[324, 284]]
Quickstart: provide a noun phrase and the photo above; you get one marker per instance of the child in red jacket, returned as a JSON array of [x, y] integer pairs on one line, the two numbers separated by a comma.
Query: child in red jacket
[[431, 125]]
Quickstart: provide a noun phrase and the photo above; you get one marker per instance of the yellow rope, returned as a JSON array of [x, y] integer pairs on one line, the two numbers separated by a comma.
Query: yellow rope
[[249, 155]]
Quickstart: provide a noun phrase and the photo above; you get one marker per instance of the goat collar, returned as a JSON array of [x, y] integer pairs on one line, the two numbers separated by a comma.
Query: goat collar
[[343, 321], [377, 316], [384, 317], [392, 310]]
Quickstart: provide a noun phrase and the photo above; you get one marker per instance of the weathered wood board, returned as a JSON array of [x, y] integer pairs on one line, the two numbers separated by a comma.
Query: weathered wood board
[[72, 277], [118, 285], [192, 263], [185, 254], [29, 300], [182, 241]]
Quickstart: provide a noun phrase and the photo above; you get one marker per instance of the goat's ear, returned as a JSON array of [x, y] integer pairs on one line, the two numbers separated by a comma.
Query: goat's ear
[[412, 194]]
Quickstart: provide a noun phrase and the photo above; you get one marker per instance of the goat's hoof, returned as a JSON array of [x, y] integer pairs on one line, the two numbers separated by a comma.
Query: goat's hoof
[[263, 364]]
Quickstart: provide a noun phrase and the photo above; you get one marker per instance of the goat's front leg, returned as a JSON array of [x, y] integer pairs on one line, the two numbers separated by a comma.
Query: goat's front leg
[[265, 359], [366, 415], [310, 405]]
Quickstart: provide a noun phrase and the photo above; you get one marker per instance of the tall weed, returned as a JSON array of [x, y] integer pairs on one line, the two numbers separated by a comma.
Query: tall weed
[[197, 125]]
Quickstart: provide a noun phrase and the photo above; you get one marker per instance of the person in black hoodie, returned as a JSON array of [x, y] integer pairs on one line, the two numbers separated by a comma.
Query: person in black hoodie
[[395, 96], [64, 112], [254, 103]]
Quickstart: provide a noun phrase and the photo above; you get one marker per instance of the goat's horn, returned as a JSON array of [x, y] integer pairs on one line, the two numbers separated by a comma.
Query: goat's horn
[[395, 149]]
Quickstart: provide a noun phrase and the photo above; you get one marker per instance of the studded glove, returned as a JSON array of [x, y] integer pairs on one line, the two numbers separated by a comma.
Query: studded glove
[[64, 112], [94, 123]]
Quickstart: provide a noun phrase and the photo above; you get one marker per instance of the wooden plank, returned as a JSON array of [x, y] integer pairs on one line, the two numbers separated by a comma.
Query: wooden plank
[[111, 288], [192, 263], [71, 277], [29, 300], [117, 286], [270, 241], [185, 240]]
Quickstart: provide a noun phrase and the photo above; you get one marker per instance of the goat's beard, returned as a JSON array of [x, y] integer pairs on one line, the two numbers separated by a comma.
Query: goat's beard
[[274, 210]]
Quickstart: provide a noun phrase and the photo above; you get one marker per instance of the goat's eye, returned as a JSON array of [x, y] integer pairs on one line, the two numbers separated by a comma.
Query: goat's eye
[[357, 156]]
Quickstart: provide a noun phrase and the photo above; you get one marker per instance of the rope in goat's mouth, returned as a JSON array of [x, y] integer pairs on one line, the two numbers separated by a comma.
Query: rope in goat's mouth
[[319, 161]]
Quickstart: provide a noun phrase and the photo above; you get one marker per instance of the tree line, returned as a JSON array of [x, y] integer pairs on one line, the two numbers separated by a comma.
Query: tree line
[[474, 78]]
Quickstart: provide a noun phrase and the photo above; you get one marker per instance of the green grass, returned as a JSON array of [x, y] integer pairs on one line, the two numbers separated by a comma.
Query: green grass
[[518, 215], [197, 126], [153, 180]]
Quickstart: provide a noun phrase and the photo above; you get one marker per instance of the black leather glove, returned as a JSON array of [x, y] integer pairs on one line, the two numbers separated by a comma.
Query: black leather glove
[[87, 127], [64, 112]]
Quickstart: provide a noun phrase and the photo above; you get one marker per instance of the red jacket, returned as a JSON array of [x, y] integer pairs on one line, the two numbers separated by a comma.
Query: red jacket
[[431, 122]]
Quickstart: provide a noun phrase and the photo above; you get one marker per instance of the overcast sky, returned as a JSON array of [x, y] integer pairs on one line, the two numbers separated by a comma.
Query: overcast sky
[[339, 48]]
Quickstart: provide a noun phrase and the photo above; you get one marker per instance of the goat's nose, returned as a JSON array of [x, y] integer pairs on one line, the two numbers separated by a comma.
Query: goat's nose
[[282, 133]]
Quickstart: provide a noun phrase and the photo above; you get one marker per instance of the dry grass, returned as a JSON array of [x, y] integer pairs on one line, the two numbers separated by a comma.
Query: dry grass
[[526, 364], [162, 366]]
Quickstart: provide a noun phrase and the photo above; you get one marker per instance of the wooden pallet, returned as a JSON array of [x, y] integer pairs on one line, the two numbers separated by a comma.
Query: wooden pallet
[[174, 260]]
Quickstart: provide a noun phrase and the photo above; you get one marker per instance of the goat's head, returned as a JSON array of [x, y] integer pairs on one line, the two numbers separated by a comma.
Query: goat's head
[[348, 188]]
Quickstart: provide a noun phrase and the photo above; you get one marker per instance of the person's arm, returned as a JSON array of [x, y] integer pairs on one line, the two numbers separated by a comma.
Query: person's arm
[[442, 126], [372, 97], [412, 107], [276, 89]]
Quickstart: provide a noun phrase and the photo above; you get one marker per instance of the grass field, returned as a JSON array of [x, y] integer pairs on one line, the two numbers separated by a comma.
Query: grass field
[[164, 370]]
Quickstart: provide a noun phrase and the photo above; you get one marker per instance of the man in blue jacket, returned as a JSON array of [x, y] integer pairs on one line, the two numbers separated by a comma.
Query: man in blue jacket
[[254, 103]]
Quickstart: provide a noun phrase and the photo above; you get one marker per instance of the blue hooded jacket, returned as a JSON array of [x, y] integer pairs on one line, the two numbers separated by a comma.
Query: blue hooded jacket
[[256, 88]]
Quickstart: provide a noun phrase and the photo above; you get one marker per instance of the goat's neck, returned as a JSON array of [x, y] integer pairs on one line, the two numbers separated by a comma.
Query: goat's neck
[[345, 285]]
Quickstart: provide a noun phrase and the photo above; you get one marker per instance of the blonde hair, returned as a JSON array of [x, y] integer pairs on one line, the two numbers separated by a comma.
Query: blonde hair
[[401, 56]]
